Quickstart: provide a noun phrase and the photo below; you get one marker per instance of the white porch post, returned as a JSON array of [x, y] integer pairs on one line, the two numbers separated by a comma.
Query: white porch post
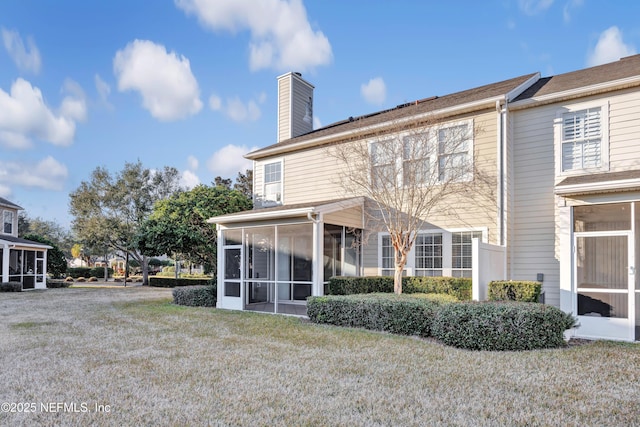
[[318, 270], [220, 269], [4, 274], [44, 269]]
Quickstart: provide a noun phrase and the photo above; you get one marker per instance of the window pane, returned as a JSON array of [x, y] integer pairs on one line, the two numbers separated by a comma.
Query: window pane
[[603, 304], [610, 217]]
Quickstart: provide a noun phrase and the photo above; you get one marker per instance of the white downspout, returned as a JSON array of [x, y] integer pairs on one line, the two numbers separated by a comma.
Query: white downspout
[[4, 274]]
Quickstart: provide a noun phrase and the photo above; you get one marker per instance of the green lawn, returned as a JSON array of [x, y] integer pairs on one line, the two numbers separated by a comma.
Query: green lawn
[[145, 361]]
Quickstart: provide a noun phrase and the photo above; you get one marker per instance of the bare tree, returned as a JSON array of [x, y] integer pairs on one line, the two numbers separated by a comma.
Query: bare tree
[[409, 170]]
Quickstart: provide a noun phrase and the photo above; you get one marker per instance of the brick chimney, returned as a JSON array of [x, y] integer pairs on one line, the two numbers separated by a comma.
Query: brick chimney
[[295, 106]]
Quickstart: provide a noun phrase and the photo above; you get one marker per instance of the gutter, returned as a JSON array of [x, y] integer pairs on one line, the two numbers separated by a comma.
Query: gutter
[[600, 187]]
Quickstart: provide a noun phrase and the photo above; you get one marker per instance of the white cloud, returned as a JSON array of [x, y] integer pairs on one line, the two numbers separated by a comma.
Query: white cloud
[[104, 90], [229, 160], [215, 103], [25, 58], [168, 88], [281, 35], [610, 47], [193, 163], [534, 7], [375, 91], [25, 115], [317, 124], [48, 174], [189, 180], [236, 109], [568, 9], [5, 191]]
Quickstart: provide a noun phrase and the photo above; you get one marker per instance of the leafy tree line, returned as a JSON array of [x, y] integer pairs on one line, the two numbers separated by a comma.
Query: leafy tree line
[[140, 212]]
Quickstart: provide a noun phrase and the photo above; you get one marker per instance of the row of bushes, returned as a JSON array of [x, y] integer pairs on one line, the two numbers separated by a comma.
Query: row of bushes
[[171, 282], [11, 287], [196, 296], [490, 325], [510, 290], [458, 287], [76, 272]]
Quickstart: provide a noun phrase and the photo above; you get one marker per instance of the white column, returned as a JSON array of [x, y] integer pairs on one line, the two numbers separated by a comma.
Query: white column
[[4, 274], [318, 286], [44, 268]]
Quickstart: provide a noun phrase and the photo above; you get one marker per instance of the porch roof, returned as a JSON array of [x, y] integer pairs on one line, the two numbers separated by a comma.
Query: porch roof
[[289, 211], [16, 241], [599, 183]]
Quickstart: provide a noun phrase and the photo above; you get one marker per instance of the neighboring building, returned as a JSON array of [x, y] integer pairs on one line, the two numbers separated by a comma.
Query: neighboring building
[[575, 192], [564, 153], [21, 260]]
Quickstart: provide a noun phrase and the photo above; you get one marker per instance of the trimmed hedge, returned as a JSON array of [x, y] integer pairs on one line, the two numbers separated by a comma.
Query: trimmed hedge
[[76, 272], [397, 314], [503, 326], [195, 296], [507, 290], [99, 272], [171, 282], [459, 287], [11, 287], [57, 283]]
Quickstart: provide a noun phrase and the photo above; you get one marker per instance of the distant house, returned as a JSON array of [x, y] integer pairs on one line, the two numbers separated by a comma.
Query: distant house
[[21, 260], [565, 154]]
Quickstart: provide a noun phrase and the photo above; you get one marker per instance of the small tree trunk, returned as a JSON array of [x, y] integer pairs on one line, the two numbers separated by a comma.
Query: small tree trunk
[[401, 261], [145, 270]]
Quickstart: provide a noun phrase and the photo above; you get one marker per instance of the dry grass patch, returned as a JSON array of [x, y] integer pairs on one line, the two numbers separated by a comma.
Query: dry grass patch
[[155, 363]]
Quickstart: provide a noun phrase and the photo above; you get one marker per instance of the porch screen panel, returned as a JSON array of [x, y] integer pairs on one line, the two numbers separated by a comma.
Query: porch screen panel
[[602, 276]]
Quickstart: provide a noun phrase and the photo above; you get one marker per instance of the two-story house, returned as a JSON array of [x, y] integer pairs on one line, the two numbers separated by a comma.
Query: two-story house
[[563, 153], [21, 260]]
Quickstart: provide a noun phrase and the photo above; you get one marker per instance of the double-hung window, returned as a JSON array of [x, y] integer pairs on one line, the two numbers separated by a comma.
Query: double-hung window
[[7, 222], [428, 251], [388, 259], [383, 164], [273, 183], [416, 166], [582, 139], [461, 252], [454, 153]]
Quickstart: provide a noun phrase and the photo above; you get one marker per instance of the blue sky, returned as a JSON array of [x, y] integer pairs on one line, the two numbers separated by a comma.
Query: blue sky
[[192, 83]]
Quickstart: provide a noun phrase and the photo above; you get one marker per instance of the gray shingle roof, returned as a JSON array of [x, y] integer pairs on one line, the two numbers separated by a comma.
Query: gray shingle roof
[[624, 68], [5, 202], [18, 240], [426, 105]]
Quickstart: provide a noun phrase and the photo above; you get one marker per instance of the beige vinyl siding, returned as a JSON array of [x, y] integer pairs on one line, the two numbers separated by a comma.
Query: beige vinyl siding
[[624, 128], [284, 109], [532, 239], [351, 217]]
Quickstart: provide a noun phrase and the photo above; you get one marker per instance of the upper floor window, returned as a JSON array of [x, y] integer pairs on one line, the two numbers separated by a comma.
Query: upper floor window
[[582, 139], [454, 153], [7, 222], [416, 162], [273, 182], [383, 163]]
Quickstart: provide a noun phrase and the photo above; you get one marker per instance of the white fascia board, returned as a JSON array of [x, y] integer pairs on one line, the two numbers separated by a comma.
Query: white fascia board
[[574, 93], [488, 102], [513, 94], [258, 215], [595, 187], [14, 245]]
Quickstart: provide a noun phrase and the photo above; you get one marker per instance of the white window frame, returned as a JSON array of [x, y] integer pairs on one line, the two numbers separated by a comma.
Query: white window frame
[[426, 271], [462, 270], [11, 222], [434, 153], [266, 200], [447, 251], [558, 125]]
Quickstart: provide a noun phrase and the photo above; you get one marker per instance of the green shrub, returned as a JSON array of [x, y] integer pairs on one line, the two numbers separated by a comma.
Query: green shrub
[[57, 283], [76, 272], [507, 290], [170, 282], [99, 272], [398, 314], [195, 296], [346, 285], [459, 287], [502, 326], [11, 287]]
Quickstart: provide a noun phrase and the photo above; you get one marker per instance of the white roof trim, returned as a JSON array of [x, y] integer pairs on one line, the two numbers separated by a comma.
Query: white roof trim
[[23, 245], [596, 187], [261, 215], [571, 93]]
